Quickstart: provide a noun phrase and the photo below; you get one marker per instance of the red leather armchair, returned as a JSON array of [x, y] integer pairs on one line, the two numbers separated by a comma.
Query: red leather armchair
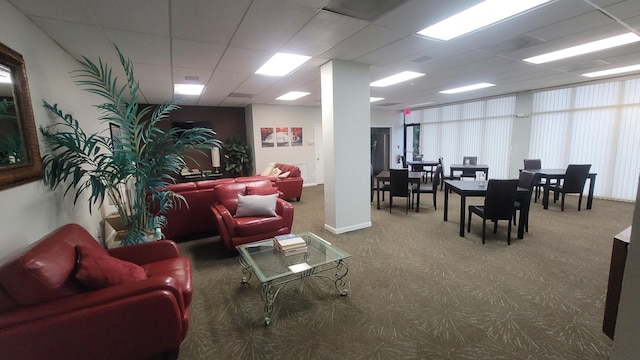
[[46, 313], [241, 230]]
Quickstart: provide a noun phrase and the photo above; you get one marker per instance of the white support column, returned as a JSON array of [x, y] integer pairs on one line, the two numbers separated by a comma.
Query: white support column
[[346, 118]]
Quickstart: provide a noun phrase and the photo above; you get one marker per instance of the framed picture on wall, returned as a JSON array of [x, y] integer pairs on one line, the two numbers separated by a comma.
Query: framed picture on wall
[[282, 136], [268, 137], [296, 136]]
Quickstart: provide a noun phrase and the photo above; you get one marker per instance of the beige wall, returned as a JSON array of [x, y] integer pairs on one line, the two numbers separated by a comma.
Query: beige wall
[[30, 211]]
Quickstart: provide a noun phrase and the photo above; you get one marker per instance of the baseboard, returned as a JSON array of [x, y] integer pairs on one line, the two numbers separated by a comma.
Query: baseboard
[[348, 228]]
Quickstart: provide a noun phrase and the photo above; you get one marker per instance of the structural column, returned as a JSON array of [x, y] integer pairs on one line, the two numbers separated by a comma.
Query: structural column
[[346, 118]]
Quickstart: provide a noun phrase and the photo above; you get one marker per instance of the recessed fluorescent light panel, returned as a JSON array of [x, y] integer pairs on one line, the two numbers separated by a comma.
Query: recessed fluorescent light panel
[[477, 17], [619, 70], [293, 95], [374, 99], [281, 64], [188, 89], [593, 46], [397, 78], [467, 88]]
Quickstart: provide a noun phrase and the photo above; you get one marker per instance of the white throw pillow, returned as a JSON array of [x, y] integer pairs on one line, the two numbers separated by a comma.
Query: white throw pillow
[[256, 205], [285, 175], [268, 170], [276, 172]]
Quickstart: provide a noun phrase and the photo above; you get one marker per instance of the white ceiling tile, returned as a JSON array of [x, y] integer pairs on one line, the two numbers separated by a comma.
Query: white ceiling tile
[[141, 48], [143, 16], [325, 31], [187, 75], [269, 24], [199, 55], [66, 10], [213, 21], [403, 48], [369, 39], [625, 9], [243, 60]]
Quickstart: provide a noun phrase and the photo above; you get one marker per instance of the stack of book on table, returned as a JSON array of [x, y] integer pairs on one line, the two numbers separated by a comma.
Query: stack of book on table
[[290, 244]]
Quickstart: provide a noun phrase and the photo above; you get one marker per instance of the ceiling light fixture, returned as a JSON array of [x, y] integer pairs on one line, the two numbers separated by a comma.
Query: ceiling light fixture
[[477, 17], [620, 70], [293, 95], [590, 47], [397, 78], [188, 89], [374, 99], [467, 88], [281, 64]]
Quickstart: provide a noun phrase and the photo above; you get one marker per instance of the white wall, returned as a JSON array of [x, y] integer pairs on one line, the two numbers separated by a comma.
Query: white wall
[[258, 116], [272, 116], [31, 210]]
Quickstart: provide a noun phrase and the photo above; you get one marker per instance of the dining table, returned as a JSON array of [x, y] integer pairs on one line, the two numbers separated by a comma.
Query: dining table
[[422, 165], [468, 169], [414, 177], [467, 188], [557, 175]]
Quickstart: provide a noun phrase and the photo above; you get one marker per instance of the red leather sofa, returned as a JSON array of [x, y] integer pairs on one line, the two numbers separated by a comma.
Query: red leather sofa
[[236, 230], [195, 218], [47, 312], [291, 186]]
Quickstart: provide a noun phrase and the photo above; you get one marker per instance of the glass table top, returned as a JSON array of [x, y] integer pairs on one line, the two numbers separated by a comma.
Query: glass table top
[[269, 264]]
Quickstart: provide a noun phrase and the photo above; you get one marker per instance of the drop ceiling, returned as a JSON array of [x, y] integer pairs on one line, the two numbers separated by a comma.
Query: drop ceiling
[[221, 43]]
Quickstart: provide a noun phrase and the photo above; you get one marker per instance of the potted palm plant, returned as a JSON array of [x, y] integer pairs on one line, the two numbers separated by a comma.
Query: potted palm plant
[[132, 170]]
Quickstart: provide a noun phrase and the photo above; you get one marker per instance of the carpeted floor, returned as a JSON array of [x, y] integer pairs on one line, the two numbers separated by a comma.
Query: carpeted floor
[[419, 291]]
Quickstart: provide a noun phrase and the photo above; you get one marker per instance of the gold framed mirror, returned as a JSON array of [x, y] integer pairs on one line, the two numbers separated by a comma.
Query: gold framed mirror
[[20, 160]]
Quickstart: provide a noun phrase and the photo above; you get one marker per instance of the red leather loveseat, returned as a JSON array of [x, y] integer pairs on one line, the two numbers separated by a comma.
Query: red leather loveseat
[[290, 186], [235, 229], [65, 297]]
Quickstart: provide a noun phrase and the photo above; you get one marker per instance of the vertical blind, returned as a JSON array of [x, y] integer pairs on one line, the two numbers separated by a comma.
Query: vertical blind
[[480, 128], [597, 124]]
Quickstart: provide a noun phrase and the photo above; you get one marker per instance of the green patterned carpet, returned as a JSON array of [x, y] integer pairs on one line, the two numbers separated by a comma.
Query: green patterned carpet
[[419, 291]]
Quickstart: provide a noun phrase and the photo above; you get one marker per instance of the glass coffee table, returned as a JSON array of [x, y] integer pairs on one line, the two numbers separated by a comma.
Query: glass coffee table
[[274, 269]]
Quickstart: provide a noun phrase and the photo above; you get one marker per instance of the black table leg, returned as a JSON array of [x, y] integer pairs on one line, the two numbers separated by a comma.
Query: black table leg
[[463, 205]]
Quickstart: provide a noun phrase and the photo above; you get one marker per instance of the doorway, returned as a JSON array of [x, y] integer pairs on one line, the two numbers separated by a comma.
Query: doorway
[[380, 149]]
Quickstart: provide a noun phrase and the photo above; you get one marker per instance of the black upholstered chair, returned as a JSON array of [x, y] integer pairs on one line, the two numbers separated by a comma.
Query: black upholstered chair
[[469, 160], [573, 183], [498, 205], [535, 164], [428, 189], [399, 186], [527, 180]]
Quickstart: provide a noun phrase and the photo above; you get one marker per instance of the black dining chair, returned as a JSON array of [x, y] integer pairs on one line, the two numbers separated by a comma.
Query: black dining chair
[[428, 189], [573, 183], [399, 186], [469, 160], [527, 181], [535, 164], [498, 205]]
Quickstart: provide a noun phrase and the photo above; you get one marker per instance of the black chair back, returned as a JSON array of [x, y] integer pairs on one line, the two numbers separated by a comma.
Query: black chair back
[[399, 179], [575, 178], [469, 160], [500, 199], [527, 179], [437, 175], [532, 164]]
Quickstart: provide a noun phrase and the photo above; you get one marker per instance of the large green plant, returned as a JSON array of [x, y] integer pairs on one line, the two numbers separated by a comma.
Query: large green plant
[[132, 171], [237, 156]]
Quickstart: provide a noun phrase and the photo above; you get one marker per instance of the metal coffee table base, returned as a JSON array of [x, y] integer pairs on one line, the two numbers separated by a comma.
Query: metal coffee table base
[[270, 289]]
